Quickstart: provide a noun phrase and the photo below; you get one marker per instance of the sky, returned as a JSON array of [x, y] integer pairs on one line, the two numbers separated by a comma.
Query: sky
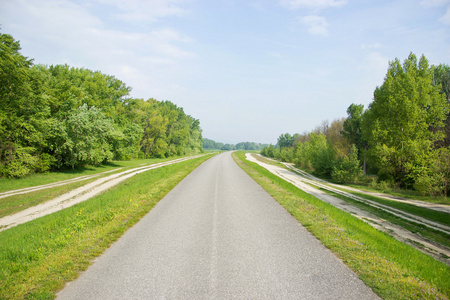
[[249, 70]]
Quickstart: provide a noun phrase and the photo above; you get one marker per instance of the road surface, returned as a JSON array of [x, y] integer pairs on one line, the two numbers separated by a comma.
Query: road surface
[[310, 184], [217, 235]]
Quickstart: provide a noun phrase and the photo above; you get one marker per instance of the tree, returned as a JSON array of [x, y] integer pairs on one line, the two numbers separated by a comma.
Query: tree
[[155, 130], [321, 155], [347, 169], [83, 138], [352, 125], [434, 177], [353, 132], [17, 134], [398, 122], [442, 78], [209, 144], [58, 116], [337, 139], [285, 140]]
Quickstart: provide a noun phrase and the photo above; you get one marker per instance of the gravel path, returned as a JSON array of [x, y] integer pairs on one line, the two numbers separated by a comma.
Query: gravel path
[[304, 181], [75, 196]]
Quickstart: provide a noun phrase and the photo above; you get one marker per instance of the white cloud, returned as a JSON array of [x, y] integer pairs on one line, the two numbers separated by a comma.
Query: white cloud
[[371, 46], [317, 25], [445, 19], [372, 71], [432, 3], [376, 64], [317, 4], [62, 31], [145, 10]]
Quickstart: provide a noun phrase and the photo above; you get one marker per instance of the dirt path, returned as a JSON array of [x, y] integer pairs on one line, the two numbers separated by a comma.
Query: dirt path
[[51, 185], [305, 180], [75, 196], [423, 204]]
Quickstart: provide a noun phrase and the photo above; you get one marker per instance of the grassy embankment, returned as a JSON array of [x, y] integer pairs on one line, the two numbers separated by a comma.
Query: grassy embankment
[[392, 269], [14, 204], [370, 185], [39, 257], [50, 177], [432, 215], [423, 230]]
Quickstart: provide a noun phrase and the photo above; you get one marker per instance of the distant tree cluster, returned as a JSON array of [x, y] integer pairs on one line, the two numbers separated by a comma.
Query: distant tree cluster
[[212, 145], [404, 134], [55, 117]]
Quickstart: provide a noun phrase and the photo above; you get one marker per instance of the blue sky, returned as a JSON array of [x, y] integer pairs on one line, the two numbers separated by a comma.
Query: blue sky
[[248, 70]]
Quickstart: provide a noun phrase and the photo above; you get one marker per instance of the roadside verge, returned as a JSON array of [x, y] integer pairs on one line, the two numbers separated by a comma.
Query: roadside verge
[[38, 257], [392, 269], [73, 197]]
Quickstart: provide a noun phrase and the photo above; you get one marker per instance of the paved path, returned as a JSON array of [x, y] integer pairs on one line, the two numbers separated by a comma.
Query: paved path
[[217, 235], [310, 184]]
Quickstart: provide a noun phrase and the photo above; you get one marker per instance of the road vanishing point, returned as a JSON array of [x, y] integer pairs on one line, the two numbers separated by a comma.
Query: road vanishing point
[[217, 235]]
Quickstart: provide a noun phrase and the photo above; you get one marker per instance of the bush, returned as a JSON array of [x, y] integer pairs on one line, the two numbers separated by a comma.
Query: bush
[[347, 169], [22, 164], [434, 178]]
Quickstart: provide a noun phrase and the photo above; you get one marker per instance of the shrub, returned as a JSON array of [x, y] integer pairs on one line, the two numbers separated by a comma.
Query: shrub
[[347, 169]]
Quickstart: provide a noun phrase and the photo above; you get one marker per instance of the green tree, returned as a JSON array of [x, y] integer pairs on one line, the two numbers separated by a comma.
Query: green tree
[[58, 116], [347, 168], [83, 138], [155, 130], [352, 125], [433, 178], [442, 78], [321, 155], [285, 140], [18, 135], [209, 144], [353, 130], [398, 121]]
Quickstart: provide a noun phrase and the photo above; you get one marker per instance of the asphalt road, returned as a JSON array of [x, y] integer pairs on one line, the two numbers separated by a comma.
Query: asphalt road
[[217, 235]]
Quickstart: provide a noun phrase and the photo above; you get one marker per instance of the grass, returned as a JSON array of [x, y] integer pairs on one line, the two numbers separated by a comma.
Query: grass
[[401, 193], [7, 184], [429, 233], [432, 215], [37, 258], [14, 204], [392, 269]]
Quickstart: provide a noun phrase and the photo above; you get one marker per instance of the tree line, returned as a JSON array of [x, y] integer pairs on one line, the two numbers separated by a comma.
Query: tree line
[[209, 144], [403, 136], [56, 117]]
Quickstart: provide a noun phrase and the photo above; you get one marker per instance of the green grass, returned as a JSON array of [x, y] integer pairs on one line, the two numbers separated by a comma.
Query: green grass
[[392, 269], [7, 184], [13, 204], [432, 215], [429, 233], [16, 203], [37, 258], [402, 193]]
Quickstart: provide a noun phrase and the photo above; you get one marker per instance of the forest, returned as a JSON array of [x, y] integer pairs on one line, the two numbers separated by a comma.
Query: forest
[[209, 144], [402, 138], [58, 117]]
